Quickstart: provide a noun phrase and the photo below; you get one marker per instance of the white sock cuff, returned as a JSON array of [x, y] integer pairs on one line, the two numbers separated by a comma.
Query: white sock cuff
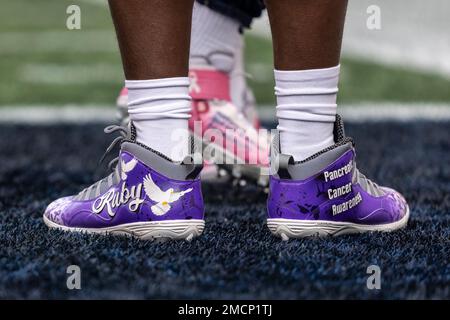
[[157, 83], [160, 109], [159, 98], [307, 95], [307, 82], [306, 109], [312, 113], [312, 74]]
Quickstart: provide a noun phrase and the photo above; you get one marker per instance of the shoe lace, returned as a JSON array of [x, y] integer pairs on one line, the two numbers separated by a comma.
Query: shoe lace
[[112, 165], [118, 140], [367, 184]]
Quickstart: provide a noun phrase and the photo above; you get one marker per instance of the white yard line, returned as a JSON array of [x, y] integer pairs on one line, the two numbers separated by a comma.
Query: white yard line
[[373, 112], [55, 115], [73, 114], [56, 74]]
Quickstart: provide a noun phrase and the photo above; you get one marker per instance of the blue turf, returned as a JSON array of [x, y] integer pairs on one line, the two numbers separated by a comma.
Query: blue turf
[[236, 257]]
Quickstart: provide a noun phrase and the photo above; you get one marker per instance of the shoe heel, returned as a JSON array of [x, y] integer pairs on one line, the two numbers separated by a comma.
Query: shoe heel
[[172, 229], [151, 230], [287, 228]]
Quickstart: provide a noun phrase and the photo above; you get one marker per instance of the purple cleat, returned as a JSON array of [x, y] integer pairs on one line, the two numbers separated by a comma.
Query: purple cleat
[[327, 195], [147, 196]]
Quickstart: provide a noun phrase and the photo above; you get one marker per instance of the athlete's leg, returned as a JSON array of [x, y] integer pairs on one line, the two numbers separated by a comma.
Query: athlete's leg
[[148, 194], [154, 39], [306, 34], [316, 188], [307, 38]]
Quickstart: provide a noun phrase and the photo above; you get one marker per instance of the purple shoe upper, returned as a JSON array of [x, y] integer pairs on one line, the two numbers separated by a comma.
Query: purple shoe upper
[[134, 192], [329, 187]]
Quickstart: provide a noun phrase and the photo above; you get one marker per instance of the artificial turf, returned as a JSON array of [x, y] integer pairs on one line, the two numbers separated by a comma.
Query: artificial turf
[[236, 257]]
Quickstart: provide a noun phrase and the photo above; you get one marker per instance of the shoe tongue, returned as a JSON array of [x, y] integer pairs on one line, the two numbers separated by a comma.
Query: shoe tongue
[[339, 132]]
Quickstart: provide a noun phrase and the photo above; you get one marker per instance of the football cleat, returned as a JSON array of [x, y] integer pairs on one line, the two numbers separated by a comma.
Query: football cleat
[[147, 196], [235, 143], [327, 195]]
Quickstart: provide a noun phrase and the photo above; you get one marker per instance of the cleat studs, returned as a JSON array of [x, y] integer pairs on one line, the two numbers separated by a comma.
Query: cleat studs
[[190, 237], [222, 173], [284, 237]]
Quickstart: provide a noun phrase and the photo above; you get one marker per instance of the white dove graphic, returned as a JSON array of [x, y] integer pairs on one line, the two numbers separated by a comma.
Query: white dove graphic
[[127, 167], [162, 198]]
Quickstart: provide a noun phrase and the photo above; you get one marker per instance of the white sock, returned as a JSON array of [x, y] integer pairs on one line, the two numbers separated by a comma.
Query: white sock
[[216, 42], [238, 80], [215, 38], [160, 109], [306, 110]]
